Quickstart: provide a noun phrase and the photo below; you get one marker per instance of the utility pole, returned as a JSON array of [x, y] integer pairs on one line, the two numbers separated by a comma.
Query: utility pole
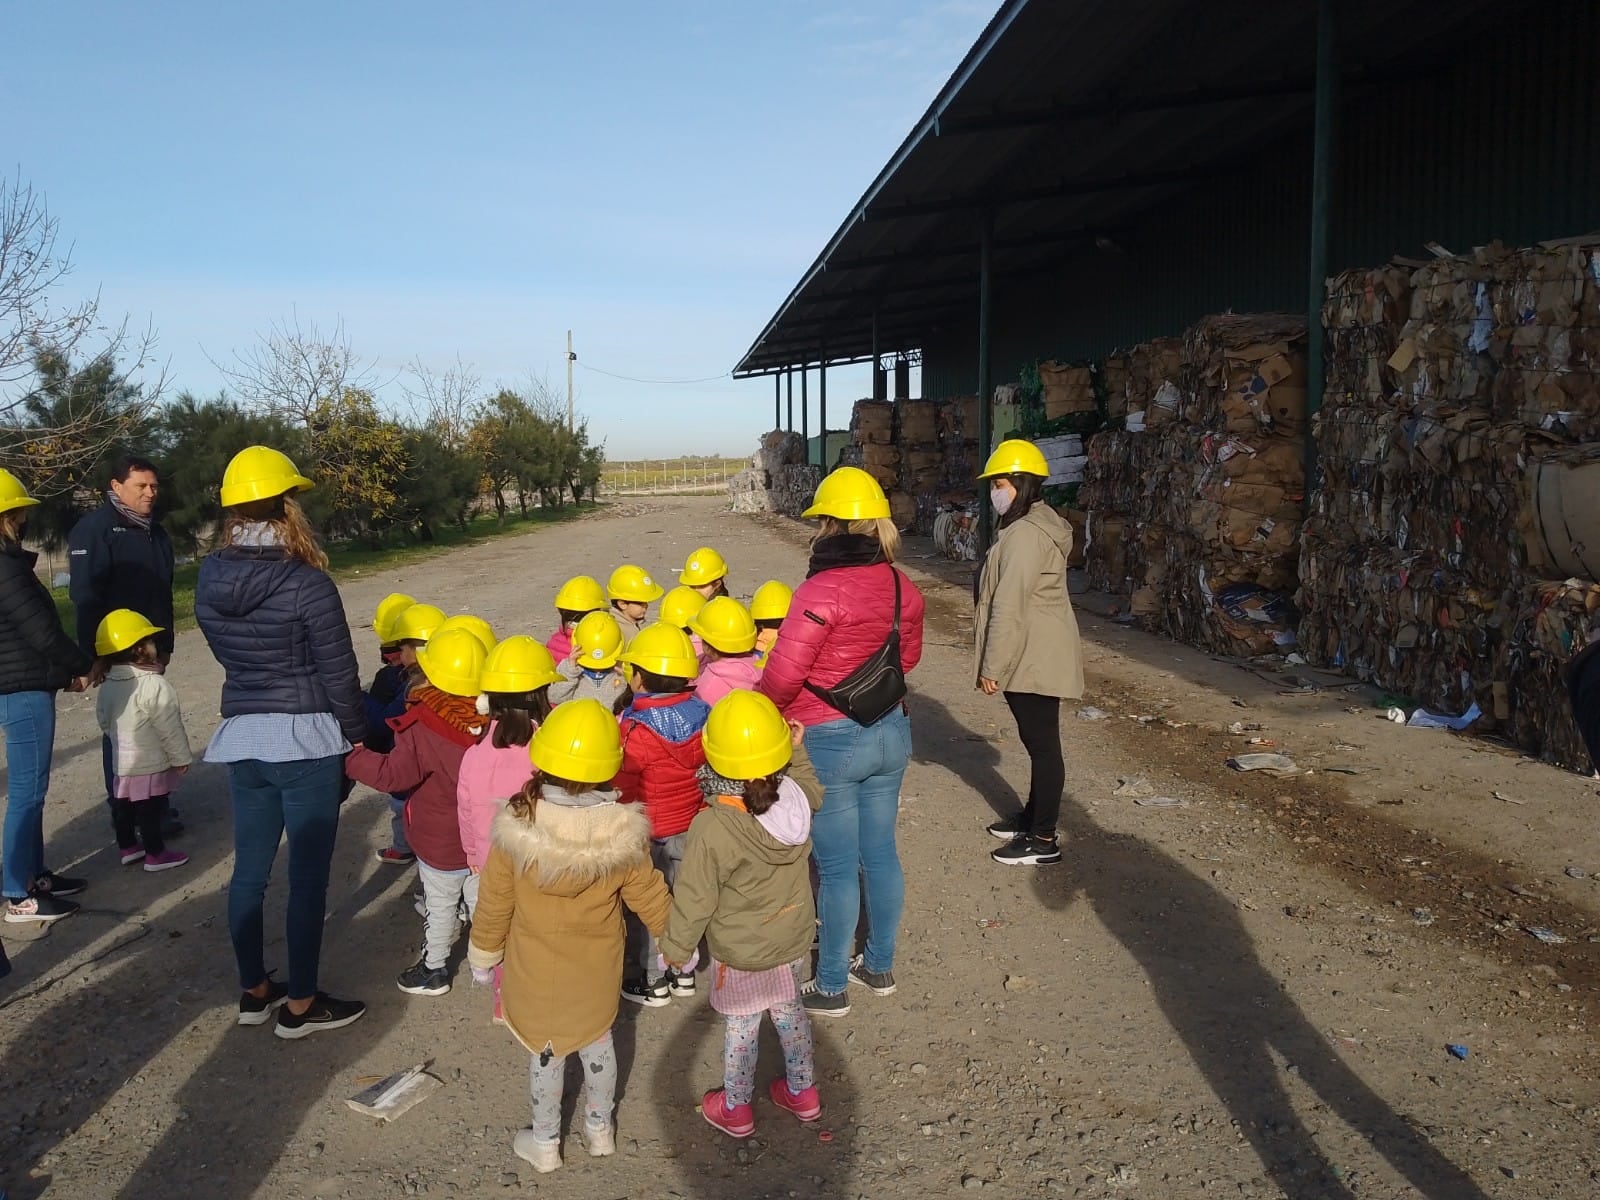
[[571, 358]]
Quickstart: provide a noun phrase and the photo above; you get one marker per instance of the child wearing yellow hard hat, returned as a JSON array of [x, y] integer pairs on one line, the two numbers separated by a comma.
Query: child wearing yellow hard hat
[[578, 597], [728, 661], [430, 739], [590, 671], [564, 856], [768, 608], [384, 700], [745, 886], [631, 592], [137, 709], [706, 572]]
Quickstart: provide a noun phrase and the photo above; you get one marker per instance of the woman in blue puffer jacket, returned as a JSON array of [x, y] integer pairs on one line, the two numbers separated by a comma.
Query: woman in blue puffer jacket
[[291, 707]]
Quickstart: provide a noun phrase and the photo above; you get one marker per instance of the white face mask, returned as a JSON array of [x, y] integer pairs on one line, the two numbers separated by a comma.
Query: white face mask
[[1001, 498]]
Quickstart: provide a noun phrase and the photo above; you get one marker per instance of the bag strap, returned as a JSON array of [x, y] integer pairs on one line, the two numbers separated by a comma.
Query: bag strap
[[895, 627]]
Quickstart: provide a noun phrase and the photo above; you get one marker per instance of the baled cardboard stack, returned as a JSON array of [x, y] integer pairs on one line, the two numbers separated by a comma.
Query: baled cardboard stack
[[1067, 390], [1458, 484], [777, 479], [1196, 509]]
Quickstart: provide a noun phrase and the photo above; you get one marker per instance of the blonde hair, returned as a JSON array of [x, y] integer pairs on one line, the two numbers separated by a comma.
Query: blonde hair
[[289, 523], [11, 523], [880, 529]]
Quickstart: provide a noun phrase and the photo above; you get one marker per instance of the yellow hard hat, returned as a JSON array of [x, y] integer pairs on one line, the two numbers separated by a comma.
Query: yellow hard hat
[[746, 737], [581, 594], [849, 494], [12, 493], [663, 649], [726, 625], [390, 607], [771, 601], [453, 661], [417, 623], [579, 741], [629, 582], [518, 665], [705, 566], [1016, 457], [680, 606], [597, 641], [121, 628], [260, 473], [476, 626]]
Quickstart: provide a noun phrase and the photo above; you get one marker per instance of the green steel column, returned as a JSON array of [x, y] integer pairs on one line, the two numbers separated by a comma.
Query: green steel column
[[879, 390], [805, 416], [985, 389], [777, 402], [788, 374], [822, 410], [1322, 172]]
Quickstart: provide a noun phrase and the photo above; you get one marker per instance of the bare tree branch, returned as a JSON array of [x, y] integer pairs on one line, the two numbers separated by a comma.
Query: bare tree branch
[[449, 401], [295, 367]]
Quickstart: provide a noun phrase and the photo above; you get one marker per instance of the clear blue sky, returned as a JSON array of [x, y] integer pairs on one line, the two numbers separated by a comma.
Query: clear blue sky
[[473, 178]]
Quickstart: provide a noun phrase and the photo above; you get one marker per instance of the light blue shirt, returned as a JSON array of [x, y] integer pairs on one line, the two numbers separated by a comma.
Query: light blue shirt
[[276, 738]]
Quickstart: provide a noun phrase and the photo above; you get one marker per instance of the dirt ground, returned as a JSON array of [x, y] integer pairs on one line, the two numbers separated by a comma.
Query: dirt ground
[[1246, 993]]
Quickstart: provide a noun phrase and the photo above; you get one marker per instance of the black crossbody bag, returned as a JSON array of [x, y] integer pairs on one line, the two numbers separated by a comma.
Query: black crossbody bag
[[874, 689]]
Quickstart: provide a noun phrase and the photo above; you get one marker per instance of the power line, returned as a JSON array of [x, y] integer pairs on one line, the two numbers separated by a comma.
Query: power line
[[655, 382]]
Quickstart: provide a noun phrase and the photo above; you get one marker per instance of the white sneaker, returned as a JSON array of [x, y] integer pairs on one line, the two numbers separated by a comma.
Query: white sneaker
[[544, 1156], [602, 1142]]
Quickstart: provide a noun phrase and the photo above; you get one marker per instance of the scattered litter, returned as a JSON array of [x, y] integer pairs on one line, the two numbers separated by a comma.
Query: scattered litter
[[1507, 799], [1093, 714], [1263, 741], [1527, 893], [991, 923], [390, 1098], [1276, 764], [1456, 1050], [1422, 916], [1135, 786], [1304, 689], [1019, 983], [1161, 802], [1296, 660], [1548, 936], [1397, 715], [1395, 803], [1350, 770], [1238, 703], [1577, 873], [1242, 727], [1423, 719], [825, 1136]]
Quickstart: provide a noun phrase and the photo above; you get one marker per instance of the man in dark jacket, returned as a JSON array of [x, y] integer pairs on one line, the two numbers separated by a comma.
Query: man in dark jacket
[[121, 558]]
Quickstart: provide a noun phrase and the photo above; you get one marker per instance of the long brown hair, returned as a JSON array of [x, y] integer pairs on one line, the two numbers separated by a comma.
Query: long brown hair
[[524, 803], [289, 523], [517, 715], [1030, 490], [12, 524], [761, 794]]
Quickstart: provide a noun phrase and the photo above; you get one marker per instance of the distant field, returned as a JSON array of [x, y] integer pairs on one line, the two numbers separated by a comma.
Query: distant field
[[671, 474]]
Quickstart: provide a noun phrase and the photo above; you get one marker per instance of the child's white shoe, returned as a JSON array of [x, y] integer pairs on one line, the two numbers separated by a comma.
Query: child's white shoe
[[544, 1156], [601, 1140]]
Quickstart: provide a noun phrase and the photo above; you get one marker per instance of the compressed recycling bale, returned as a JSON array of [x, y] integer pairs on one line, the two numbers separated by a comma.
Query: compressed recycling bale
[[902, 509], [1067, 390], [872, 421], [781, 448], [1553, 623], [917, 422]]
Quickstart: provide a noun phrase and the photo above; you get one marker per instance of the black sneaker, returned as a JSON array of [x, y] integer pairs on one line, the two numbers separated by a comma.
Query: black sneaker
[[680, 985], [258, 1010], [1026, 850], [1007, 828], [823, 1004], [651, 995], [59, 886], [325, 1013], [419, 979], [879, 983], [39, 909]]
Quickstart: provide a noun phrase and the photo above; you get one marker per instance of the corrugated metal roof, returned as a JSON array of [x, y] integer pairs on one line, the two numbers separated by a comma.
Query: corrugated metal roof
[[1068, 119]]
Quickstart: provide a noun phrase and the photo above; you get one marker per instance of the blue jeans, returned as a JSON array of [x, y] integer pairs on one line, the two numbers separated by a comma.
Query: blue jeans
[[301, 798], [28, 721], [852, 838], [397, 823]]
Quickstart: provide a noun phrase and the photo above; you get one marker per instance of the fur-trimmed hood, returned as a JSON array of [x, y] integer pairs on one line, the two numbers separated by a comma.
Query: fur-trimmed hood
[[573, 846]]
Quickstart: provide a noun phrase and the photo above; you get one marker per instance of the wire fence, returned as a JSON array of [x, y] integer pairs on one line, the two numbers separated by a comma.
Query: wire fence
[[669, 477]]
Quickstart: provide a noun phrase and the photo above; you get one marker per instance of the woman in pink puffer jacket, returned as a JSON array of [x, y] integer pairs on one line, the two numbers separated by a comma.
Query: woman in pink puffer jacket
[[840, 617]]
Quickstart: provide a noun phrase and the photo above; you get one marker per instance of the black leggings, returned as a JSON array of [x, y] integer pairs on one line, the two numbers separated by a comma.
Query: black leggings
[[143, 815], [1039, 725]]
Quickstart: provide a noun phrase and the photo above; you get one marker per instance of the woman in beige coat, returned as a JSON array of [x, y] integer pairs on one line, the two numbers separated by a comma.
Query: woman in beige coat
[[1027, 639]]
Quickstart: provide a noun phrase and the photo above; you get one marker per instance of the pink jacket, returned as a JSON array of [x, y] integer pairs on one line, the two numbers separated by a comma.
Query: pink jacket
[[489, 777], [560, 645], [719, 678], [837, 620]]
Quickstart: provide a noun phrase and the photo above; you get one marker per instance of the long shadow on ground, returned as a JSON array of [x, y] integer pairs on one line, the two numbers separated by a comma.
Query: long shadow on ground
[[1231, 1012]]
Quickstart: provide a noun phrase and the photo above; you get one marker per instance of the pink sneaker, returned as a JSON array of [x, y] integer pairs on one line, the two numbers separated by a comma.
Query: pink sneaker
[[806, 1105], [736, 1122], [165, 861], [131, 855]]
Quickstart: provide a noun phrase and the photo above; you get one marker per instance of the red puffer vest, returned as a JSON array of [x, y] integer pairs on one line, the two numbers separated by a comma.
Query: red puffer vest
[[837, 620]]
